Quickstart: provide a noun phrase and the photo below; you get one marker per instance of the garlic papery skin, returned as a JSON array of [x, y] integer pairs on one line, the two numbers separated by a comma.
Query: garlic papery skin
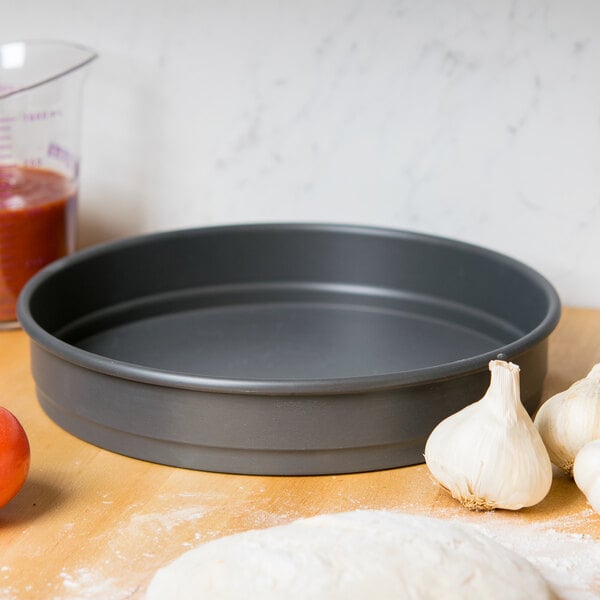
[[570, 419], [489, 454], [586, 472]]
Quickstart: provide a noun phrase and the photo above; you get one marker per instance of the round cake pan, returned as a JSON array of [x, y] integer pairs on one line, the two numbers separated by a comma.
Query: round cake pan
[[282, 349]]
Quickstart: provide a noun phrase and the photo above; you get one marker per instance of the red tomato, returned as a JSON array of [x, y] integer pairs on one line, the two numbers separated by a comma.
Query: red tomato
[[14, 456]]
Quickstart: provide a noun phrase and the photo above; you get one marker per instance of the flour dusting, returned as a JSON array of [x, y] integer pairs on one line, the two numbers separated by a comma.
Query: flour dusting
[[570, 562], [143, 541], [91, 583]]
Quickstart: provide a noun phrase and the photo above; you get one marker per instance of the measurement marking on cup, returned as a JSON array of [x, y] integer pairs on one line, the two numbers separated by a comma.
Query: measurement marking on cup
[[41, 115], [33, 162], [63, 155], [6, 146], [6, 153], [6, 149]]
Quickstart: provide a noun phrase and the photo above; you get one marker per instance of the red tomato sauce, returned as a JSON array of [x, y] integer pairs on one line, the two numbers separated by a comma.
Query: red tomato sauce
[[37, 226]]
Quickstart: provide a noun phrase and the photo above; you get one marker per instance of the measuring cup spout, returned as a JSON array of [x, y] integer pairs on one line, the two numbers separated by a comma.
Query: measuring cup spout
[[28, 64]]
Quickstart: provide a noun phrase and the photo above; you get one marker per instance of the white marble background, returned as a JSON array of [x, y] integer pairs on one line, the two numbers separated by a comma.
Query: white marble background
[[478, 120]]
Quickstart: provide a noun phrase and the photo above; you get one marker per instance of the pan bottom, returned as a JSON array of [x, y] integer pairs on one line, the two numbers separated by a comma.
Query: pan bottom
[[326, 335]]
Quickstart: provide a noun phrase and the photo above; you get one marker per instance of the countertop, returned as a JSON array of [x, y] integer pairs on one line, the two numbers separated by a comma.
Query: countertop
[[92, 524]]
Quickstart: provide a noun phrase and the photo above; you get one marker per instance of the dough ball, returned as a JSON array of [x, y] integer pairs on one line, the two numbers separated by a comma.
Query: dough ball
[[352, 556]]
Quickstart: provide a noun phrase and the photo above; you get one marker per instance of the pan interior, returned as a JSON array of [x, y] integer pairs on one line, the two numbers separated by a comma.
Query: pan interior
[[258, 335]]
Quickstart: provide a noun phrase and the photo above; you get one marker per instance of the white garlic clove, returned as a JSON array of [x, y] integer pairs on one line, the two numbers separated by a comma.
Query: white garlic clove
[[570, 419], [489, 454], [586, 472]]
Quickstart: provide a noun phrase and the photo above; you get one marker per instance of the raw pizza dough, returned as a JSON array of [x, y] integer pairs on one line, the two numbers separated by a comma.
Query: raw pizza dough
[[352, 556]]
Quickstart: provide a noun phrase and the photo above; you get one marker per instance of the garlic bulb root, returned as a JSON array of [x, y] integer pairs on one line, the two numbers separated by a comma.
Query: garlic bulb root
[[586, 472], [570, 419], [469, 498], [489, 454]]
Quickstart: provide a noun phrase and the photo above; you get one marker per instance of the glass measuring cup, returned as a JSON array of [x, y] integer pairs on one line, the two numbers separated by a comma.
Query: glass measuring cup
[[40, 116]]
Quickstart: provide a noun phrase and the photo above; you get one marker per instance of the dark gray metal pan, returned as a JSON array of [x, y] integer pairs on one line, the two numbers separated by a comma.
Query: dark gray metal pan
[[279, 349]]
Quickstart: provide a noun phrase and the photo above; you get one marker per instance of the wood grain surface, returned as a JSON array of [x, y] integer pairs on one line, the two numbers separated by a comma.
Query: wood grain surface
[[92, 524]]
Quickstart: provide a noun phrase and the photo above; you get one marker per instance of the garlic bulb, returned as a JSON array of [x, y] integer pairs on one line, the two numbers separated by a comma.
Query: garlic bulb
[[586, 471], [571, 419], [489, 454]]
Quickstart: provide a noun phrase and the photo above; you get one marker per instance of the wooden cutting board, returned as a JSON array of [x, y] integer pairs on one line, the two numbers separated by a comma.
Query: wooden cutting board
[[92, 524]]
